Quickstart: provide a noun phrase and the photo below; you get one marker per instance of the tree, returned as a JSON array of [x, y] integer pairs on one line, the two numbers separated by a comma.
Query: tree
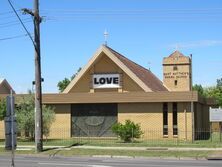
[[211, 91], [199, 89], [2, 109], [214, 92], [48, 119], [127, 132], [65, 82], [25, 116], [219, 83]]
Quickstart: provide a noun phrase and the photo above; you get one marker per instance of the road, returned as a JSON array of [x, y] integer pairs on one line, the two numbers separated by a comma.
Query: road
[[32, 161]]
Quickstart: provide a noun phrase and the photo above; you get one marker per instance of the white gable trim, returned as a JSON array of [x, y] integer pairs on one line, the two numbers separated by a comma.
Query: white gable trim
[[115, 60], [83, 71]]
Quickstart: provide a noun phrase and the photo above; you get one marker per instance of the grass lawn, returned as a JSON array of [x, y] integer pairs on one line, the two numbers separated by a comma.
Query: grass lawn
[[136, 153], [115, 142], [6, 152], [77, 151], [214, 141]]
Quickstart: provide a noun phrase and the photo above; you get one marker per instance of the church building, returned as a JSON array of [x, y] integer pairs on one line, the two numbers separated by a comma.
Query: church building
[[111, 88]]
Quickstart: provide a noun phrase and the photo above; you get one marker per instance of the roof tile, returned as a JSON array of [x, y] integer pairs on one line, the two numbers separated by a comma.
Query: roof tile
[[142, 73]]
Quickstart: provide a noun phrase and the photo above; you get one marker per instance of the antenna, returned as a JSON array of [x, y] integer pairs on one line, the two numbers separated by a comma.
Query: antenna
[[105, 36]]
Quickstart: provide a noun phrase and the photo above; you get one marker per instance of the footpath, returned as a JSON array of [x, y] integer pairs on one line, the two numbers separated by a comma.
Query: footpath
[[216, 156]]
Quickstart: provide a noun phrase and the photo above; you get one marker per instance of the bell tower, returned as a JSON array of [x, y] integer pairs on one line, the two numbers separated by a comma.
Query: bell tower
[[177, 72]]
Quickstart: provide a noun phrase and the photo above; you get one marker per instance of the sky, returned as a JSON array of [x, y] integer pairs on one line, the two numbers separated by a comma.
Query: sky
[[144, 31]]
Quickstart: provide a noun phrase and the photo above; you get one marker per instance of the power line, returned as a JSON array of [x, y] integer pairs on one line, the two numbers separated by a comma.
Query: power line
[[130, 18], [13, 37], [22, 23], [135, 10], [7, 17], [14, 24], [6, 13], [207, 14], [11, 15]]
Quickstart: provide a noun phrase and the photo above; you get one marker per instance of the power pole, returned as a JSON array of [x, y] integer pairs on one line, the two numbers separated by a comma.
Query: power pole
[[38, 85], [192, 103]]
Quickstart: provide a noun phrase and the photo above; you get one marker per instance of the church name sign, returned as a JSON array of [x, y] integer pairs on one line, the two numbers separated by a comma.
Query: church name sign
[[176, 75], [215, 114], [106, 81]]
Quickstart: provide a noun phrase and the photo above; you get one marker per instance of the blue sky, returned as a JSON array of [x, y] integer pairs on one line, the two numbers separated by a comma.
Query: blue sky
[[145, 31]]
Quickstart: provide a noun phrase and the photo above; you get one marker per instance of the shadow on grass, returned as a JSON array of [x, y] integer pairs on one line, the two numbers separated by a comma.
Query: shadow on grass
[[59, 148]]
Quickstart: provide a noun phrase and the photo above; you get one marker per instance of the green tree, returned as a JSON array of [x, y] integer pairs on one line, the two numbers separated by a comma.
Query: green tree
[[219, 83], [65, 82], [199, 89], [2, 109], [211, 91], [25, 116], [128, 131], [214, 92]]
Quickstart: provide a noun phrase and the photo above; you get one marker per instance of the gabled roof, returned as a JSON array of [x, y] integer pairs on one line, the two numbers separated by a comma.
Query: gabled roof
[[144, 74], [143, 77], [5, 82]]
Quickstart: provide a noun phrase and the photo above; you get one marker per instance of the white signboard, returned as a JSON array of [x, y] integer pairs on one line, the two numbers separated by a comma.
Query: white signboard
[[215, 114], [106, 81]]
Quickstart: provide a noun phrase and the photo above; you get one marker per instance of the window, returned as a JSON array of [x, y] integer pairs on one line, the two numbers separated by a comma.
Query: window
[[175, 68], [175, 82], [165, 119], [175, 131]]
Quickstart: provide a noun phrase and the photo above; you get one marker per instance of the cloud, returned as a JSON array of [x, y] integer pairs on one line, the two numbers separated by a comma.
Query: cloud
[[195, 44]]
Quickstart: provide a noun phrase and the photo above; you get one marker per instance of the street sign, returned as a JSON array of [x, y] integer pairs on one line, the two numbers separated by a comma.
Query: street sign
[[10, 125]]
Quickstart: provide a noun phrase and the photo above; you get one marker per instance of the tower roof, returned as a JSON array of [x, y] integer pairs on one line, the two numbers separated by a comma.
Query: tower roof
[[177, 54], [176, 58]]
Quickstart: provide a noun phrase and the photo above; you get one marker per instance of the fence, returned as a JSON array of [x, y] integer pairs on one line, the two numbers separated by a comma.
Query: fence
[[150, 138]]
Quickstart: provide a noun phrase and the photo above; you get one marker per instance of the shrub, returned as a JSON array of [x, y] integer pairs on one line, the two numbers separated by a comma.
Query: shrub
[[25, 116], [2, 109], [127, 132]]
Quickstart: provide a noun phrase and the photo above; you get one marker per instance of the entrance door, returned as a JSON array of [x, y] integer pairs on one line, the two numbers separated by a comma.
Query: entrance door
[[94, 120]]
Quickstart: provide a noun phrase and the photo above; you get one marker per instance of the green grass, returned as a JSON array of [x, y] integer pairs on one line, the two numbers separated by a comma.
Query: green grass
[[213, 142], [8, 152], [118, 143], [136, 153], [91, 152]]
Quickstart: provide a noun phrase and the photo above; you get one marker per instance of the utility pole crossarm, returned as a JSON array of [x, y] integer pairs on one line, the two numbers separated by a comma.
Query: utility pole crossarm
[[27, 11]]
